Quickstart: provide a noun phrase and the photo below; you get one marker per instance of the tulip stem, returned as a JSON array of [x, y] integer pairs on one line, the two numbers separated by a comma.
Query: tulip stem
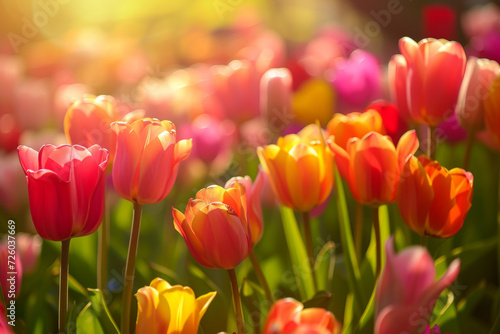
[[358, 230], [468, 149], [261, 277], [130, 269], [240, 323], [63, 285], [309, 246], [376, 226], [102, 249]]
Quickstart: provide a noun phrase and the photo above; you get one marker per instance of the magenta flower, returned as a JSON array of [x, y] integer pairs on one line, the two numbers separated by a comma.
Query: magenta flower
[[406, 292]]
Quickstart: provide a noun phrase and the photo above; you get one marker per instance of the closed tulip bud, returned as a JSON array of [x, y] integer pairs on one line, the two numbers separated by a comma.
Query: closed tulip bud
[[275, 93], [254, 204], [479, 74], [432, 200], [492, 110], [435, 69], [314, 100], [300, 168], [167, 309], [372, 165], [406, 293], [66, 189], [354, 125], [147, 159], [215, 226], [288, 316]]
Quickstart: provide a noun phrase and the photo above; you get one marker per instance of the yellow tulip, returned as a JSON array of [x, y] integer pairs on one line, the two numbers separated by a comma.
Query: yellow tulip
[[165, 309]]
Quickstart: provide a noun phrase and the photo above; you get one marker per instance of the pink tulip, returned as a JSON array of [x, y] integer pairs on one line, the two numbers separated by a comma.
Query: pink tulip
[[276, 94], [479, 74], [406, 292], [4, 326], [30, 96], [435, 69], [254, 204], [12, 196], [29, 248], [358, 79]]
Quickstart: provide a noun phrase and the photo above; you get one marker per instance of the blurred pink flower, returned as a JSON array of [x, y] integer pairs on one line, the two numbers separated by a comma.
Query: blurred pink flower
[[11, 270], [11, 69], [451, 131], [358, 79], [406, 292], [479, 74], [12, 196], [64, 97], [29, 248], [4, 326], [33, 103], [276, 94], [10, 131], [480, 20]]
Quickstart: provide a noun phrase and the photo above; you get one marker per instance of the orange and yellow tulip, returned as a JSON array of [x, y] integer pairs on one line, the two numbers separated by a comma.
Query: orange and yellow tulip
[[147, 159], [166, 309], [300, 169], [432, 200], [354, 125], [372, 165], [215, 226]]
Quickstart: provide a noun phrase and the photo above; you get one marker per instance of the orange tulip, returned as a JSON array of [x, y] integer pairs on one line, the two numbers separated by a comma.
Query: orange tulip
[[432, 200], [372, 165], [87, 122], [492, 110], [147, 159], [166, 309], [354, 125], [288, 316], [300, 169], [215, 226]]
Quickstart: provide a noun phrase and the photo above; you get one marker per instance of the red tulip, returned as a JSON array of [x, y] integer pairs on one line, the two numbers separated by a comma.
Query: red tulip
[[215, 226], [147, 159], [66, 189]]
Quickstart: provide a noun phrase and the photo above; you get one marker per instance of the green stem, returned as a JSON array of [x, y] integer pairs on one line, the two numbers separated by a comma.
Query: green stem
[[63, 285], [240, 323], [468, 149], [130, 269], [358, 230], [102, 249], [261, 277], [376, 225], [309, 246]]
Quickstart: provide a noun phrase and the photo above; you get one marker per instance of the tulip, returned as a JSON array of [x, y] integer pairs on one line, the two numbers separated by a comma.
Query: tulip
[[354, 125], [288, 316], [439, 21], [358, 79], [87, 122], [29, 248], [215, 226], [406, 293], [166, 309], [11, 269], [397, 72], [392, 120], [275, 94], [435, 69], [492, 110], [372, 165], [314, 100], [66, 189], [432, 200], [147, 159], [479, 74], [300, 169]]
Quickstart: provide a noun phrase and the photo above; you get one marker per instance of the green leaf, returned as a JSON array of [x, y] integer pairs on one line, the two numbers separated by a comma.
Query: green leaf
[[298, 254], [101, 310], [348, 314], [321, 299], [325, 265], [88, 322], [349, 251], [445, 313], [250, 297]]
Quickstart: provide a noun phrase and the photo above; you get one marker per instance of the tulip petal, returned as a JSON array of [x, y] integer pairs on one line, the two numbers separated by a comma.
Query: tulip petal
[[147, 304], [28, 158], [407, 145], [202, 304], [182, 150], [181, 307]]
